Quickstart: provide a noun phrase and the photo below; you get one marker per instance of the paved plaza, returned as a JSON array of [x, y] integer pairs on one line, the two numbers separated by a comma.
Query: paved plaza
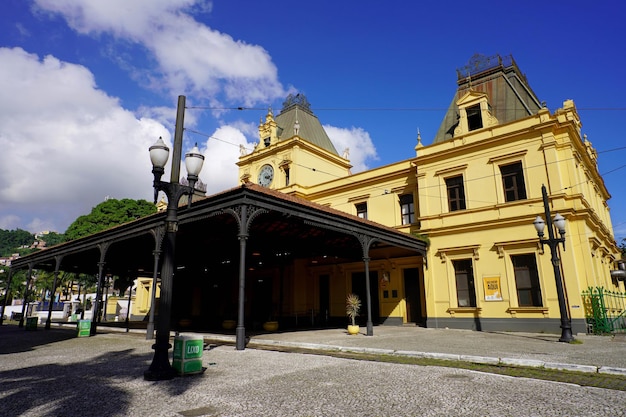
[[55, 373]]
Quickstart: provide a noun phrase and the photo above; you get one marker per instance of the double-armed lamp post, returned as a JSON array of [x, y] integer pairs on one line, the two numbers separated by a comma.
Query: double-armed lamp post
[[160, 368], [553, 242]]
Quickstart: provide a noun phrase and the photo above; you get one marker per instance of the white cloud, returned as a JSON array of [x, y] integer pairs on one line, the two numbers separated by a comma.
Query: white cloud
[[357, 141], [221, 152], [191, 57], [65, 144], [9, 221]]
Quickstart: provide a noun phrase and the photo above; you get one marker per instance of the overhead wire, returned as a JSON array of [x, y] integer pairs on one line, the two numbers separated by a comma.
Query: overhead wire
[[420, 190]]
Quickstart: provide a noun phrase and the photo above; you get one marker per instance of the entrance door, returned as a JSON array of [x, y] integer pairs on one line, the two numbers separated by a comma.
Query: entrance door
[[413, 296], [358, 288]]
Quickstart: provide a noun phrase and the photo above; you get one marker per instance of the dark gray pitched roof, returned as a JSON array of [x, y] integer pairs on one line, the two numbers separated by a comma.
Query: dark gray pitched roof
[[311, 130], [510, 96]]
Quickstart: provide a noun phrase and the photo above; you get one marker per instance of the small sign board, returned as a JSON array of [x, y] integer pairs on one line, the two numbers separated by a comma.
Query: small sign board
[[493, 291]]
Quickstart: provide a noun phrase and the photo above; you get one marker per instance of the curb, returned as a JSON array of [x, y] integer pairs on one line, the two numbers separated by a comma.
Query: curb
[[482, 360]]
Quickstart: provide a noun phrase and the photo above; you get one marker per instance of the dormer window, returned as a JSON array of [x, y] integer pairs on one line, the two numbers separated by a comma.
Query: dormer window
[[474, 118], [474, 113]]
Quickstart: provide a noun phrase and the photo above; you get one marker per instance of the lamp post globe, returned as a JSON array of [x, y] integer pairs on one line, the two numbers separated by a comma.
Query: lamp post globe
[[540, 225], [194, 161], [159, 153], [559, 222]]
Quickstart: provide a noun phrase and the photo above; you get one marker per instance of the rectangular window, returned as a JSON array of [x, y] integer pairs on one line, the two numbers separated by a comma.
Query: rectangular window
[[465, 289], [513, 182], [474, 118], [361, 210], [527, 280], [407, 208], [456, 193]]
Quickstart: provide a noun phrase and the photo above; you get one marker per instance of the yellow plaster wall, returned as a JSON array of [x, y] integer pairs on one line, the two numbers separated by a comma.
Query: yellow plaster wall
[[490, 230]]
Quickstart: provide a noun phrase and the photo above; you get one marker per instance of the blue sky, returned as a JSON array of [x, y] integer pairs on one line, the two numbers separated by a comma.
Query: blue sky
[[88, 85]]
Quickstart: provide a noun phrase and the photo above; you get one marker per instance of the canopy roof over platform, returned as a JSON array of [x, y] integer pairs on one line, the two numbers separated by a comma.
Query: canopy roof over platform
[[273, 223]]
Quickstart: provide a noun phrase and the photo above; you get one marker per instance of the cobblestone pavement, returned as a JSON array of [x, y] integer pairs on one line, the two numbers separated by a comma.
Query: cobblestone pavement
[[54, 373]]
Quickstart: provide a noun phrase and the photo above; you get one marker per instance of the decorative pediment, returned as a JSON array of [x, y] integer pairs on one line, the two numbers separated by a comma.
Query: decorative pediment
[[470, 98], [470, 250]]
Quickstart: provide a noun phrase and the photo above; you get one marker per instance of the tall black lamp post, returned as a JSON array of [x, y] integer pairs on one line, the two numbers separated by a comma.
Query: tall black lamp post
[[160, 368], [553, 242]]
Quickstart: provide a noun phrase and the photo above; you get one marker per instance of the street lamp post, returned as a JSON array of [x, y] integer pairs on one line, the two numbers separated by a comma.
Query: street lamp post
[[553, 242], [160, 368]]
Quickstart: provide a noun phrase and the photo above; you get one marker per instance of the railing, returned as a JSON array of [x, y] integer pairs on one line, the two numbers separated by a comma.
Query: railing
[[605, 311]]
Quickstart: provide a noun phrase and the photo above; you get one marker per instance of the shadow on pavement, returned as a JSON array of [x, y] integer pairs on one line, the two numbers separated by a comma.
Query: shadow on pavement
[[71, 382], [552, 338], [14, 339]]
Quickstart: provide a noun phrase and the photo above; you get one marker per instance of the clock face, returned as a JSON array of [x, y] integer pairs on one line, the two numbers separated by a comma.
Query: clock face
[[266, 175]]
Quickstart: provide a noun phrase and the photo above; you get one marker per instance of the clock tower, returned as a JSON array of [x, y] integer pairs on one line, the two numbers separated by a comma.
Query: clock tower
[[294, 152]]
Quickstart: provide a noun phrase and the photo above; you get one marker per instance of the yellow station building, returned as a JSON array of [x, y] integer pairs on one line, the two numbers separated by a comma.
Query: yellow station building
[[474, 193]]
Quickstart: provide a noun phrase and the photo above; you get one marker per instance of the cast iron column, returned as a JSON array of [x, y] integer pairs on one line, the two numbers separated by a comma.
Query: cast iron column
[[370, 325], [25, 302], [6, 296], [156, 253], [366, 243], [150, 329], [54, 288], [240, 332]]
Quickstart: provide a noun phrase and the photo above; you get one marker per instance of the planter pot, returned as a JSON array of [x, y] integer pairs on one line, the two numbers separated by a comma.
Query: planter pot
[[229, 324], [353, 329], [270, 326]]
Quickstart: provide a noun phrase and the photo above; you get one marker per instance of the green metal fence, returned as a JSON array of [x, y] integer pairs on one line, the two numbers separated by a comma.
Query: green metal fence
[[605, 311]]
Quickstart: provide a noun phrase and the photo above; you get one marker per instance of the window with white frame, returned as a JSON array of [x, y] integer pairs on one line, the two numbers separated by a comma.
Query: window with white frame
[[513, 181], [407, 209], [456, 193]]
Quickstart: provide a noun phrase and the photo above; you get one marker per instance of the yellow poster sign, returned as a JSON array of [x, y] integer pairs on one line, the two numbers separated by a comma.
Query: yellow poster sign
[[492, 288]]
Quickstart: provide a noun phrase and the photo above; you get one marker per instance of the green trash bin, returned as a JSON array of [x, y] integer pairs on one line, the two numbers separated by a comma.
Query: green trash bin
[[84, 328], [188, 354], [31, 322]]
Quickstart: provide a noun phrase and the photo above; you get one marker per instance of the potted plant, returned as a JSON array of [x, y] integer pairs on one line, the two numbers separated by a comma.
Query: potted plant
[[228, 324], [271, 325], [353, 306]]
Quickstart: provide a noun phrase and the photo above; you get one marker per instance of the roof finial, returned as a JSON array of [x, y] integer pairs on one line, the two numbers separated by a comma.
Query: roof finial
[[419, 141]]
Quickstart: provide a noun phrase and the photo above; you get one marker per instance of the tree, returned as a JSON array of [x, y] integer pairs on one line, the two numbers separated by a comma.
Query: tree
[[53, 238], [622, 247], [11, 240], [108, 214]]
